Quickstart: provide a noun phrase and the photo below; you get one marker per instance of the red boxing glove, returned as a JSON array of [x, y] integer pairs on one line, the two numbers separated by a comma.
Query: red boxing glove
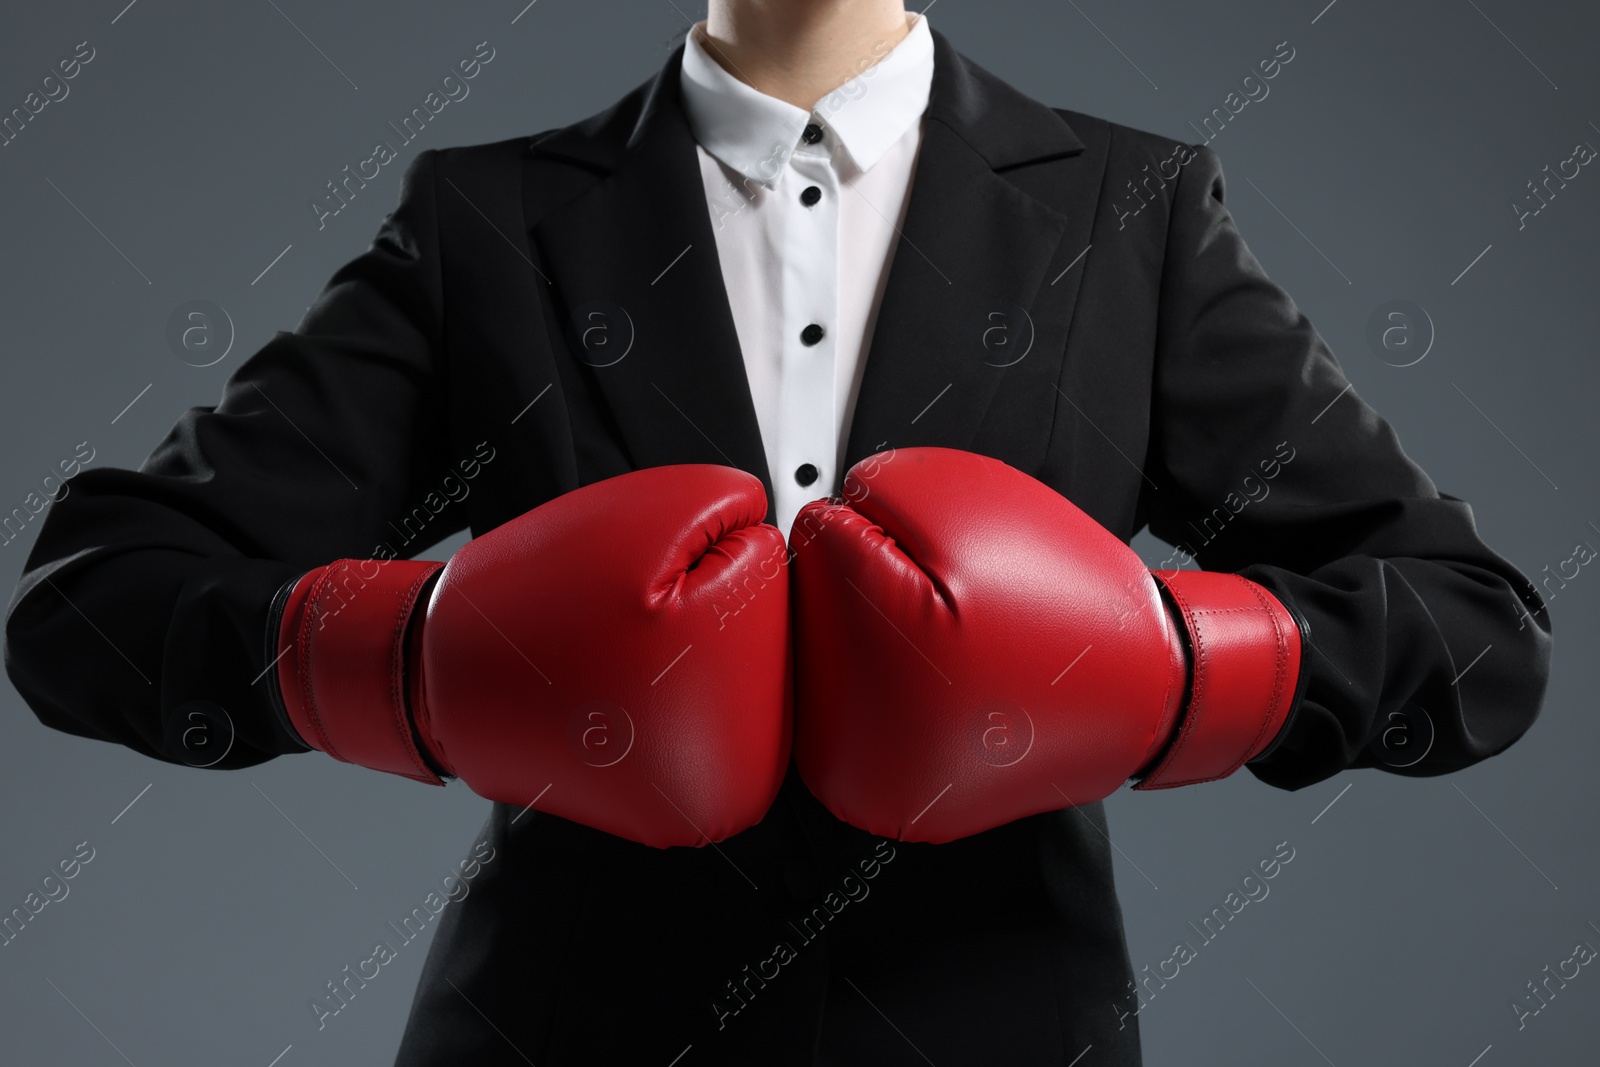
[[583, 656], [972, 649]]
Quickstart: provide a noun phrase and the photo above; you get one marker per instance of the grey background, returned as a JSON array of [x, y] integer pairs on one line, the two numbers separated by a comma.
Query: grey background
[[1383, 162]]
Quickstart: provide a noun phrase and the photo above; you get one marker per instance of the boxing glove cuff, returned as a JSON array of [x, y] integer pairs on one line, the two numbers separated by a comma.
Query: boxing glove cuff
[[1244, 672], [269, 674], [344, 644]]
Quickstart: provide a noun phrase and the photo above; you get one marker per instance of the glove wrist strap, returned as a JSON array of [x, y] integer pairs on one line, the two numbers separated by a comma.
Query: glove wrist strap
[[1244, 666], [343, 667]]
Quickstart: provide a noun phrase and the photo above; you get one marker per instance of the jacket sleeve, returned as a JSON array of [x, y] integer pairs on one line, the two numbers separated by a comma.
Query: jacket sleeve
[[141, 616], [1427, 651]]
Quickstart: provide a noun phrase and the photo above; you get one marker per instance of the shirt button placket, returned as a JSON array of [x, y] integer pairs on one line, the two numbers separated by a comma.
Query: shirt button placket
[[811, 302]]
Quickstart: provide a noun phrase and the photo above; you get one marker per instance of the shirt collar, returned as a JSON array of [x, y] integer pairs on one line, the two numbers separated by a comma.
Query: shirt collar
[[750, 131]]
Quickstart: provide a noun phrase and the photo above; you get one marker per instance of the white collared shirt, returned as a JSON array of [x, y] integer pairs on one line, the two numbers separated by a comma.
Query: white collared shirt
[[793, 269]]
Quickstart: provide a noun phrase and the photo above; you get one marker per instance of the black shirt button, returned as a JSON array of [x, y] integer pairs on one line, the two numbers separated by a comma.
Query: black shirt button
[[811, 334], [811, 195], [812, 133], [805, 474]]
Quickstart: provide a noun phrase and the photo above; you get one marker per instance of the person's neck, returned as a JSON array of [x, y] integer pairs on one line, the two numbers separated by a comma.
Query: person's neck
[[800, 52]]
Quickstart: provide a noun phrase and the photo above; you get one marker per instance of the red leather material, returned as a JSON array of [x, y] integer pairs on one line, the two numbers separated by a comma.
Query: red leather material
[[342, 667], [971, 648], [1245, 649], [621, 656]]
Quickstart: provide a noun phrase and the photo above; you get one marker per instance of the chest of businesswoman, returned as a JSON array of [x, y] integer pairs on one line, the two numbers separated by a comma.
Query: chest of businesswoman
[[605, 341]]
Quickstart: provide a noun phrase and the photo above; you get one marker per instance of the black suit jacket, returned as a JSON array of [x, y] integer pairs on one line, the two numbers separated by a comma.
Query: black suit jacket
[[466, 368]]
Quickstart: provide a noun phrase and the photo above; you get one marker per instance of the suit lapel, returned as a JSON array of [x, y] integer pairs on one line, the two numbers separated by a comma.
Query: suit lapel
[[961, 310], [634, 265]]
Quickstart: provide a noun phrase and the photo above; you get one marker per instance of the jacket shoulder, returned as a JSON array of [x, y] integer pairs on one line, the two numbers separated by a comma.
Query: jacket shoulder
[[504, 177], [1120, 142], [1142, 169], [485, 155]]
